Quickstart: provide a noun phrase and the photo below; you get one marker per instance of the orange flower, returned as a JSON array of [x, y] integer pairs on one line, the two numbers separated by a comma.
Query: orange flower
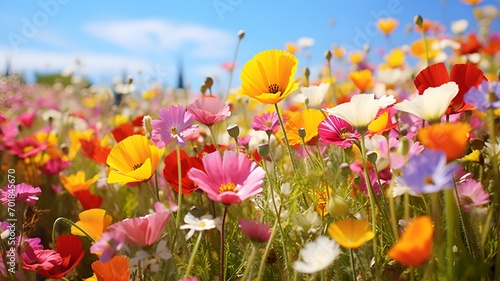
[[308, 120], [356, 57], [94, 222], [472, 2], [362, 79], [383, 123], [292, 48], [387, 25], [116, 269], [95, 150], [418, 49], [426, 25], [450, 138], [322, 200], [338, 52], [351, 233], [76, 182], [415, 244]]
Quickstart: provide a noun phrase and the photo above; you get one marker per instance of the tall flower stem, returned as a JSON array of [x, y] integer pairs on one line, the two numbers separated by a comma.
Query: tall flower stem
[[214, 140], [222, 258], [233, 66], [450, 231], [266, 251], [373, 202], [249, 263], [70, 223], [353, 267], [193, 254], [292, 159], [179, 196], [496, 178]]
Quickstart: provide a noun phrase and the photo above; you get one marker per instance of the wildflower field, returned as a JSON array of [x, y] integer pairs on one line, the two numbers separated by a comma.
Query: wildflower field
[[386, 171]]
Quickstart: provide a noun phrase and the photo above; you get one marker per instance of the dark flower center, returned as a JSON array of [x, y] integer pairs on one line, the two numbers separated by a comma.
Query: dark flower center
[[428, 180], [274, 88], [173, 130], [137, 166]]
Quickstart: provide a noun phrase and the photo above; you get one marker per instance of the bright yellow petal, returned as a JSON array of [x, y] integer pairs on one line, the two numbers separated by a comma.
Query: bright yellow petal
[[93, 221], [351, 233], [380, 123], [132, 151]]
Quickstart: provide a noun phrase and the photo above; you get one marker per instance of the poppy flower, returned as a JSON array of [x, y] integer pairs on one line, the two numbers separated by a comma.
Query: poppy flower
[[383, 122], [387, 25], [470, 45], [351, 233], [209, 110], [339, 52], [230, 179], [116, 269], [395, 58], [133, 160], [123, 131], [465, 76], [269, 76], [77, 182], [88, 200], [308, 120], [94, 150], [363, 79], [451, 138], [170, 172], [418, 49], [93, 221], [356, 57], [314, 95], [70, 249], [317, 255], [74, 137], [415, 245], [142, 231]]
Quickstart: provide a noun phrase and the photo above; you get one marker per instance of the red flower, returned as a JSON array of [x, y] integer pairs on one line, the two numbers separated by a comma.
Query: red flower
[[92, 149], [70, 249], [123, 131], [471, 45], [88, 200], [465, 75], [170, 171]]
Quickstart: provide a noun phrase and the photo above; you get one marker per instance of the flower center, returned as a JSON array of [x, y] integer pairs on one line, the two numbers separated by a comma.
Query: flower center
[[491, 97], [137, 166], [227, 187], [173, 130], [274, 88], [428, 180], [466, 200], [344, 133]]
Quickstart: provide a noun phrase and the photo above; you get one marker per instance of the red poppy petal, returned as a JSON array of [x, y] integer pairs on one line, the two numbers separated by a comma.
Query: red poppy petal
[[466, 76], [88, 200], [432, 76]]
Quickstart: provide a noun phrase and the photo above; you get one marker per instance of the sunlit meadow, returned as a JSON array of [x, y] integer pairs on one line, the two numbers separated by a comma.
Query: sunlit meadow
[[366, 171]]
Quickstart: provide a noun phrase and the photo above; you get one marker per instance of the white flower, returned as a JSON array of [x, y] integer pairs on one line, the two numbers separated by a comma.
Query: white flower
[[362, 109], [307, 223], [389, 76], [305, 42], [459, 26], [198, 224], [432, 104], [314, 94], [317, 255]]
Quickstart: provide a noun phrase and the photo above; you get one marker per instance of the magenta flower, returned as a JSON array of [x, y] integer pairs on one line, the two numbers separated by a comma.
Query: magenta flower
[[229, 180], [174, 122], [209, 110], [471, 194], [108, 245], [267, 122], [39, 259], [55, 166], [255, 230], [26, 119], [142, 231], [20, 193], [337, 131], [27, 147]]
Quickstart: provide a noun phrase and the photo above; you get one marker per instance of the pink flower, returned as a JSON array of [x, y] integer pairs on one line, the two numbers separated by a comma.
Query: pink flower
[[337, 131], [209, 110], [255, 230], [174, 122], [267, 122], [108, 245], [20, 193], [142, 231], [55, 166], [471, 194], [40, 259], [26, 119], [27, 147], [229, 66], [228, 180], [396, 159]]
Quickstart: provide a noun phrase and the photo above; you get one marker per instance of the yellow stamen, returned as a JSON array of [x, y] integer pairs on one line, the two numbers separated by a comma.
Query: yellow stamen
[[227, 187]]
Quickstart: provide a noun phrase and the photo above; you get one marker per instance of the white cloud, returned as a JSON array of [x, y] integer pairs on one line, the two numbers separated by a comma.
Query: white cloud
[[161, 36]]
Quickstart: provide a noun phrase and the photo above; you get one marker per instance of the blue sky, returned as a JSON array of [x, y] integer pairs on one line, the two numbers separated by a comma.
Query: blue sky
[[146, 39]]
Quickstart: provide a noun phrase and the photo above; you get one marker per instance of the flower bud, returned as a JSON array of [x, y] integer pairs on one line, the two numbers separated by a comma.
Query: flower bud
[[419, 20], [328, 55], [241, 34], [233, 130], [337, 206], [404, 146], [264, 150], [345, 170], [146, 124], [302, 133], [372, 157], [209, 82]]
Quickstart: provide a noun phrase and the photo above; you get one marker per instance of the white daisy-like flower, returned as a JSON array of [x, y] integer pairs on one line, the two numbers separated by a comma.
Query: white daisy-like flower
[[193, 223], [361, 110], [432, 104], [459, 26], [305, 42], [315, 95], [317, 255]]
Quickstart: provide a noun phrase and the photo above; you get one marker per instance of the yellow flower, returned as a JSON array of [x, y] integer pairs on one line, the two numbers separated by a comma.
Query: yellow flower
[[309, 120], [474, 156], [291, 47], [94, 222], [268, 77], [356, 57], [322, 200], [77, 182], [119, 119], [150, 94], [134, 159], [418, 49], [351, 233], [362, 79], [339, 52], [387, 25], [75, 136], [395, 58], [379, 123]]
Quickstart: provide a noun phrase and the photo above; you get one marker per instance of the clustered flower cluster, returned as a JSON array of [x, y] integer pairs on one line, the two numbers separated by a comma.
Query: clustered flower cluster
[[385, 177]]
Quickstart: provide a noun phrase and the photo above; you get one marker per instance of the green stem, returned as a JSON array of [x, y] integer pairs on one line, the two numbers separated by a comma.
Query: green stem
[[496, 179], [214, 140], [450, 231], [232, 69], [353, 267], [331, 81], [179, 198], [70, 223], [222, 253], [249, 263], [289, 149], [392, 210], [193, 254], [426, 47], [266, 251]]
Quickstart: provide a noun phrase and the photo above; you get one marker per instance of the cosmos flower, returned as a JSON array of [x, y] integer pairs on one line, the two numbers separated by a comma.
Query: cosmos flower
[[424, 178], [133, 160], [34, 260], [361, 110], [268, 77], [335, 130], [230, 179], [193, 223], [317, 255], [432, 104], [486, 96], [209, 110], [255, 230], [267, 122], [351, 233], [415, 245], [21, 193], [471, 194], [174, 122]]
